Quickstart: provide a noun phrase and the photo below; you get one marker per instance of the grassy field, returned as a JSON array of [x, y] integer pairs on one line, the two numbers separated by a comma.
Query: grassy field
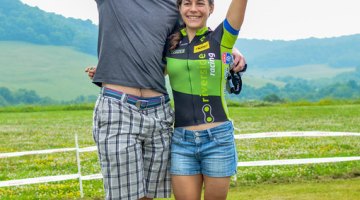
[[54, 127], [53, 71], [304, 71]]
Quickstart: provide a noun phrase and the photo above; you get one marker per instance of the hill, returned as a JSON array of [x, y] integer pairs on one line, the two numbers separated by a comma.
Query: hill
[[56, 72], [47, 53], [337, 52], [20, 22]]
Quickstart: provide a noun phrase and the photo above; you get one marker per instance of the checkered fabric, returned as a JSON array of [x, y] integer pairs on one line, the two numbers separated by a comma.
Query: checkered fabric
[[134, 148]]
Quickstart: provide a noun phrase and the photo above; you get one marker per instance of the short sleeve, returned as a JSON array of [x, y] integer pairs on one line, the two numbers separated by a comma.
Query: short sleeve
[[230, 35], [226, 34]]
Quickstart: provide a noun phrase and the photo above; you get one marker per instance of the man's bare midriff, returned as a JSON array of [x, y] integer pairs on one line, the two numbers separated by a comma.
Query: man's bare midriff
[[140, 92]]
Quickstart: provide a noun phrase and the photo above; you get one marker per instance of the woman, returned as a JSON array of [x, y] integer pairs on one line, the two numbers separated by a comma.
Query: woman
[[203, 148]]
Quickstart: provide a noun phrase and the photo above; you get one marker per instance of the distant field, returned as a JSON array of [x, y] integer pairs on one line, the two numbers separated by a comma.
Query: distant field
[[307, 72], [57, 72], [24, 131], [259, 81]]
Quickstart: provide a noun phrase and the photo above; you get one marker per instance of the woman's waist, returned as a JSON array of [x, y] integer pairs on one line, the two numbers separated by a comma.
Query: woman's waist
[[199, 127], [198, 116], [218, 130]]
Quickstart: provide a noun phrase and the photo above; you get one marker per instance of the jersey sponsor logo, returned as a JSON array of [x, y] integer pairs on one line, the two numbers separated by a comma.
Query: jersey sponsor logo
[[178, 51], [208, 117], [202, 56], [204, 75], [183, 44], [226, 58], [212, 64], [201, 47]]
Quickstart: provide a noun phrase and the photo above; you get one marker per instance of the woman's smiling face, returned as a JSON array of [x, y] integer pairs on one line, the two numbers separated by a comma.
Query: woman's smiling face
[[195, 13]]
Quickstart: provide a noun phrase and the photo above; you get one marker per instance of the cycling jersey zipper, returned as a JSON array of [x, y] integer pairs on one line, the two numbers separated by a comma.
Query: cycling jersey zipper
[[189, 74]]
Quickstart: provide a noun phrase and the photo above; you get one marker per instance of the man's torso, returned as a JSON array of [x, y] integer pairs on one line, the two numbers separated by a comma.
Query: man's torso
[[132, 36]]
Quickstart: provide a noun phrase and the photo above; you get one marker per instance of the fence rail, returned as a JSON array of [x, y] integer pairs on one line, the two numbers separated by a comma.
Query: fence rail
[[81, 178]]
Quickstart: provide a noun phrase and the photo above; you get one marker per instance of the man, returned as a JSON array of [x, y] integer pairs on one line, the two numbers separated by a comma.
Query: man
[[132, 116]]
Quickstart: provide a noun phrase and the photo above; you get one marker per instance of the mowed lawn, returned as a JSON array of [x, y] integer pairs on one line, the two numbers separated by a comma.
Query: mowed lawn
[[28, 131]]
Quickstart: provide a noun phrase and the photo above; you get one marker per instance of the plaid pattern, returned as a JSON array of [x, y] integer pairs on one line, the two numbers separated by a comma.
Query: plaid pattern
[[134, 148]]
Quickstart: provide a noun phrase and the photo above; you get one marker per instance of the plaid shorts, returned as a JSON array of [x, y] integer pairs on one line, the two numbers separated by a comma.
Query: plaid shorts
[[134, 147]]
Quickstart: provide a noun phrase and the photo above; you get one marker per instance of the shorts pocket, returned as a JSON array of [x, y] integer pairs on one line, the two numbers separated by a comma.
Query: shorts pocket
[[224, 139], [175, 139]]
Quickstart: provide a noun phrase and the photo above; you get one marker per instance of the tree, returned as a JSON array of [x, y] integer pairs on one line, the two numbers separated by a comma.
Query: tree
[[273, 98]]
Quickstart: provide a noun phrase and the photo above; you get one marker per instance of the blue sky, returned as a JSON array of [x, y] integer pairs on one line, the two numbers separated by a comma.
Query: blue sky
[[265, 19]]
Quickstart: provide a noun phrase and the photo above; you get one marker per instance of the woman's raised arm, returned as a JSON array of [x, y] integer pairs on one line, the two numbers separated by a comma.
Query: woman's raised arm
[[236, 13]]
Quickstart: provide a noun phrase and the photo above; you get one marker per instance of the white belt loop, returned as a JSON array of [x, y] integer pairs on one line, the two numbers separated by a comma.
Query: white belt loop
[[102, 90], [209, 133], [162, 99], [123, 98]]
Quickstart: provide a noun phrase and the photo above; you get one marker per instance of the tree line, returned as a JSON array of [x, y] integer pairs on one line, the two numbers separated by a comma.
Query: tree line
[[293, 91], [20, 22], [30, 97], [300, 90]]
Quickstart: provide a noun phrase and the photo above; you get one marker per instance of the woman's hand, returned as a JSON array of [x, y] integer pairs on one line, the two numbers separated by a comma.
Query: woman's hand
[[90, 71], [239, 61]]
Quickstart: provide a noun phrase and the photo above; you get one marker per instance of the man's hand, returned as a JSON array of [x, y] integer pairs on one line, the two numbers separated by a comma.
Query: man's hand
[[90, 71], [239, 61]]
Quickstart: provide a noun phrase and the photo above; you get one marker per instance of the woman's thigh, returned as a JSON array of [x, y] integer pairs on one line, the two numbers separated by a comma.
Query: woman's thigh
[[187, 187], [216, 188]]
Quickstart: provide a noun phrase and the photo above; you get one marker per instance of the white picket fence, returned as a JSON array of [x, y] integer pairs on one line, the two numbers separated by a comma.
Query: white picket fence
[[81, 178]]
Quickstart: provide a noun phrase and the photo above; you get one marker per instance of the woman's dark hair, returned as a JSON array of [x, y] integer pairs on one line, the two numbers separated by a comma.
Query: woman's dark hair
[[178, 2], [177, 36]]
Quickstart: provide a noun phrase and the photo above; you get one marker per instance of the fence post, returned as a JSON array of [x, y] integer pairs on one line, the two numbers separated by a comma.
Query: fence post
[[79, 166]]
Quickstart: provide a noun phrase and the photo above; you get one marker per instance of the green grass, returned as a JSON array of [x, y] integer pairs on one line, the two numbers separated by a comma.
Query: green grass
[[55, 126], [344, 189], [343, 118], [325, 190]]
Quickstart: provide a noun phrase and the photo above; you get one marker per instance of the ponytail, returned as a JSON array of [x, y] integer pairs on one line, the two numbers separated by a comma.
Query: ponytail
[[175, 38]]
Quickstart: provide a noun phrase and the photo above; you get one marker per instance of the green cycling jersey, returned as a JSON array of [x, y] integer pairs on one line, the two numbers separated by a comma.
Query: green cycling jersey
[[197, 71]]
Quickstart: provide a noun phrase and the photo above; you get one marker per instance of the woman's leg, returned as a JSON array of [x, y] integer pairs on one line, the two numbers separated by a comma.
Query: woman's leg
[[216, 188], [187, 187]]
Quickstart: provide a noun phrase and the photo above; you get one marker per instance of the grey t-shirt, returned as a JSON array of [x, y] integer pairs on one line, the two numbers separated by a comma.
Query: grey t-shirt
[[132, 36]]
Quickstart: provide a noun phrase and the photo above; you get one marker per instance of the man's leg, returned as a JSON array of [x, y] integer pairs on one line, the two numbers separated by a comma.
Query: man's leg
[[120, 152], [156, 151]]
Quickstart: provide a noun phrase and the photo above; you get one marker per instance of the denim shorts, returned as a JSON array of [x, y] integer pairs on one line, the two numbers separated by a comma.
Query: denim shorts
[[210, 152]]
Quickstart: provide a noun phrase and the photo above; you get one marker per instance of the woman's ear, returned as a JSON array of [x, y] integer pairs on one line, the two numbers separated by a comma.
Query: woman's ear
[[211, 9]]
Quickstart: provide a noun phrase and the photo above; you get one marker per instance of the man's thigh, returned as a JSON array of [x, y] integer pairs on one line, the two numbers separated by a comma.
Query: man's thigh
[[120, 150], [133, 148], [156, 151]]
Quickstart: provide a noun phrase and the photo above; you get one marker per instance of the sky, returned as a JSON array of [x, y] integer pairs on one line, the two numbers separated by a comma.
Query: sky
[[265, 19]]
